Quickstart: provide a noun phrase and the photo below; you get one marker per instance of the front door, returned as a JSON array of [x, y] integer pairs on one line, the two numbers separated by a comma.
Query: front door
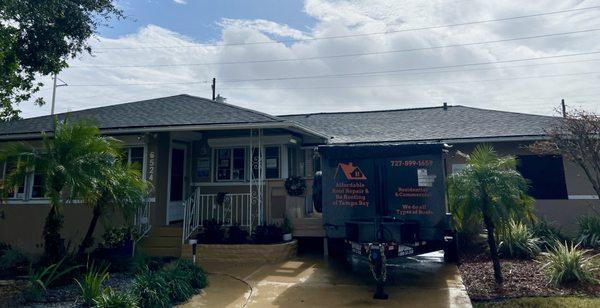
[[177, 183]]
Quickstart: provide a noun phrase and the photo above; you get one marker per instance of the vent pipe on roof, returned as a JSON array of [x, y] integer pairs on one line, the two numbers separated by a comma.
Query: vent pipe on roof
[[445, 106], [220, 99]]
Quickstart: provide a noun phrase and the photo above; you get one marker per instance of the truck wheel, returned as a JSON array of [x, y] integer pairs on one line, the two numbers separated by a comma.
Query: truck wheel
[[451, 250]]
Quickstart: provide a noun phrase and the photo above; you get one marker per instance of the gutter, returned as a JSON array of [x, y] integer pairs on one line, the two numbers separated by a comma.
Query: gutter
[[176, 128], [453, 140]]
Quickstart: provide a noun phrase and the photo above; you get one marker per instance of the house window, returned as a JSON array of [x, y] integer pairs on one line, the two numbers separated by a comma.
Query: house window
[[38, 190], [546, 176], [32, 187], [134, 156], [272, 162], [231, 164]]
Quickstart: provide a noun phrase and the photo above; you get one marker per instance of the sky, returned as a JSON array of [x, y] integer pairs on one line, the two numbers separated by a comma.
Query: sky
[[288, 56]]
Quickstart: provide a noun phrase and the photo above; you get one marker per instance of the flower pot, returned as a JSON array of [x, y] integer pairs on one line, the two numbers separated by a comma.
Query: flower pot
[[287, 237]]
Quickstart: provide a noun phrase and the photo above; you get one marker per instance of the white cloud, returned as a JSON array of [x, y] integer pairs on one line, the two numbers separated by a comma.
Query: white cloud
[[501, 86], [180, 1]]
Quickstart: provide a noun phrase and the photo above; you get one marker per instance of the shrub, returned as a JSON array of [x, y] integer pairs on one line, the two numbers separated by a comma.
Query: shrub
[[237, 235], [517, 241], [212, 233], [547, 233], [267, 234], [178, 282], [197, 276], [566, 263], [116, 237], [589, 231], [115, 299], [152, 289], [12, 261], [91, 285], [40, 280]]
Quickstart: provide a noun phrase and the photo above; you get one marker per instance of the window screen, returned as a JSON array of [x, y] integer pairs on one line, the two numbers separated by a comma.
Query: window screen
[[546, 176], [272, 162]]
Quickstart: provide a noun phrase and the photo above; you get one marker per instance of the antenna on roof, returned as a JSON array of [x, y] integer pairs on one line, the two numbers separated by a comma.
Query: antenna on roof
[[214, 88], [564, 108]]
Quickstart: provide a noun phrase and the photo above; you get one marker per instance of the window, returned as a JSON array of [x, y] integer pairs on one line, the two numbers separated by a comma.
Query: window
[[37, 186], [32, 187], [545, 174], [296, 164], [272, 162], [135, 157], [231, 164]]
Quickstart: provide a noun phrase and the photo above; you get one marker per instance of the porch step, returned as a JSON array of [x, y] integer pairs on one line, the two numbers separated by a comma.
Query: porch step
[[163, 242], [308, 227]]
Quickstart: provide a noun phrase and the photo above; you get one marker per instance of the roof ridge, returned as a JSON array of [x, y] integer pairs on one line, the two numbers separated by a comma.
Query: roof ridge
[[237, 107], [366, 111]]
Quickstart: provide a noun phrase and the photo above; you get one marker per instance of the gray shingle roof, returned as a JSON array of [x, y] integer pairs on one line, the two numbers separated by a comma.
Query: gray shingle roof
[[420, 124], [165, 111]]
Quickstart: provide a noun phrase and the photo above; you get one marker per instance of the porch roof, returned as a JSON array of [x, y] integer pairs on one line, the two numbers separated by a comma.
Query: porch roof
[[177, 112]]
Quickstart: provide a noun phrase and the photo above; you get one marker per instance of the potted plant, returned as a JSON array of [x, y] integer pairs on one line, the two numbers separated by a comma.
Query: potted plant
[[286, 227]]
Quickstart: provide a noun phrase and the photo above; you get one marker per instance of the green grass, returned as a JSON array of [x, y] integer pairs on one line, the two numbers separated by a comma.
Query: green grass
[[550, 302]]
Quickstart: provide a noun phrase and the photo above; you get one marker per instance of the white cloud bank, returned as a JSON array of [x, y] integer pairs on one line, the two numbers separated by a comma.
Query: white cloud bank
[[505, 86]]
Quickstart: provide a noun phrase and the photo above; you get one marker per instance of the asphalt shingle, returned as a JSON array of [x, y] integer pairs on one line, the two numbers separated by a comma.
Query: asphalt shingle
[[421, 124], [165, 111]]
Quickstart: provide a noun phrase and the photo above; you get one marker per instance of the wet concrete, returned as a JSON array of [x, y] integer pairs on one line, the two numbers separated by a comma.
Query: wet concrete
[[312, 281]]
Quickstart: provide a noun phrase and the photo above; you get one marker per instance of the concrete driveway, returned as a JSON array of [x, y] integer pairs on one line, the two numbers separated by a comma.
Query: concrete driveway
[[312, 281]]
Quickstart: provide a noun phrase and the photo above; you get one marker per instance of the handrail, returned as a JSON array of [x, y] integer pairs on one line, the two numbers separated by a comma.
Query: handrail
[[191, 219]]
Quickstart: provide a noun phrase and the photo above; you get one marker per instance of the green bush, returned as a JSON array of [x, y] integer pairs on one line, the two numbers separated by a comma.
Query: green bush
[[589, 231], [115, 299], [91, 285], [196, 275], [517, 241], [178, 282], [43, 278], [566, 263], [152, 289], [12, 260], [547, 233]]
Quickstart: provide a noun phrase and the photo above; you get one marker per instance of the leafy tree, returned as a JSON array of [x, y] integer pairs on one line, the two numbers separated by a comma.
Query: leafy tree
[[72, 163], [489, 189], [120, 188], [577, 138], [38, 37]]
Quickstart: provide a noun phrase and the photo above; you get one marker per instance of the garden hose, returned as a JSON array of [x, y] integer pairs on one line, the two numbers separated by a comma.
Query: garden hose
[[238, 279]]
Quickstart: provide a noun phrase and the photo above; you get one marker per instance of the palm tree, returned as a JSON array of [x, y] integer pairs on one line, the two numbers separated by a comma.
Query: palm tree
[[121, 188], [489, 189], [71, 163]]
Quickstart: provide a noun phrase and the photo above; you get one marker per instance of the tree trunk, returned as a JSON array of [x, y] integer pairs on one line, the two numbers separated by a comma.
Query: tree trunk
[[493, 248], [88, 239], [53, 244]]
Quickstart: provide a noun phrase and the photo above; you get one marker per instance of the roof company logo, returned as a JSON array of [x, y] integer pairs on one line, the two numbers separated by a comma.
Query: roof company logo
[[351, 171]]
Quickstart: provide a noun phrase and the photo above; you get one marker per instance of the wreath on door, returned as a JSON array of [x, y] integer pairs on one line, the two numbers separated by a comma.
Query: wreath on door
[[295, 186]]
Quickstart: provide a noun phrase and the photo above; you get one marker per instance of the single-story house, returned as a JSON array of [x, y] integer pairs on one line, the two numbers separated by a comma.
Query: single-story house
[[195, 150]]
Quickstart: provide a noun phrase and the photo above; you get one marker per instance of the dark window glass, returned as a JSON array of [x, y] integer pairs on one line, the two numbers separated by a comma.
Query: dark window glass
[[223, 164], [239, 164], [136, 158], [38, 189], [272, 162], [546, 176]]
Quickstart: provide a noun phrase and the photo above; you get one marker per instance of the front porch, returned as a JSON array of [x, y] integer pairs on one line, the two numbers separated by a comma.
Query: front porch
[[234, 177]]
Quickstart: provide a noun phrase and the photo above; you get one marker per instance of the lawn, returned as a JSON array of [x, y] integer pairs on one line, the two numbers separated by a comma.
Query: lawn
[[550, 302]]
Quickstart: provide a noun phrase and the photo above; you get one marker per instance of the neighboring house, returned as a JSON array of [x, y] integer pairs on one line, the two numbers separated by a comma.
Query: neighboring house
[[195, 151]]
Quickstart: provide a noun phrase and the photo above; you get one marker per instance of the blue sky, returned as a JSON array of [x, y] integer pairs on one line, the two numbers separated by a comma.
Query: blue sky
[[199, 19], [172, 47]]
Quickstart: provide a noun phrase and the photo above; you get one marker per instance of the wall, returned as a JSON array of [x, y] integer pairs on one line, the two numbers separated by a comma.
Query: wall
[[563, 213]]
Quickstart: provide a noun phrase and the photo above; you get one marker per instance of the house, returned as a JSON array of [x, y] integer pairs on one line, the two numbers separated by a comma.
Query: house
[[194, 150], [351, 172]]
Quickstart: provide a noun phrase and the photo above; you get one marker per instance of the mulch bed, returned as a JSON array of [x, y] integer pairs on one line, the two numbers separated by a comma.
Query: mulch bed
[[521, 278]]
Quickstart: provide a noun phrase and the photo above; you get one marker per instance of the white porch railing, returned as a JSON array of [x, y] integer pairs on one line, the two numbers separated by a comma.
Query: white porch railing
[[141, 221], [236, 209]]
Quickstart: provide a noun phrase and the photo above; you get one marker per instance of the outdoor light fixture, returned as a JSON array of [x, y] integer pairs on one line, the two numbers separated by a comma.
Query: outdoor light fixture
[[194, 244]]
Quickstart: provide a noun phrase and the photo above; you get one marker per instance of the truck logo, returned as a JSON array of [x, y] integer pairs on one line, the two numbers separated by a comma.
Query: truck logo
[[351, 172]]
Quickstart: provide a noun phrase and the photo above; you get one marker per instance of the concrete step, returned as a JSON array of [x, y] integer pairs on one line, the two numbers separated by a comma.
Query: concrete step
[[163, 242], [166, 231]]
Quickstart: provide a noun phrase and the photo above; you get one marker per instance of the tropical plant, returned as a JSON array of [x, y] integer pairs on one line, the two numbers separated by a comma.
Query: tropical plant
[[489, 189], [589, 231], [517, 241], [178, 282], [11, 260], [197, 276], [212, 232], [237, 235], [122, 188], [267, 234], [547, 232], [115, 299], [91, 285], [151, 289], [71, 163], [40, 280], [566, 263]]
